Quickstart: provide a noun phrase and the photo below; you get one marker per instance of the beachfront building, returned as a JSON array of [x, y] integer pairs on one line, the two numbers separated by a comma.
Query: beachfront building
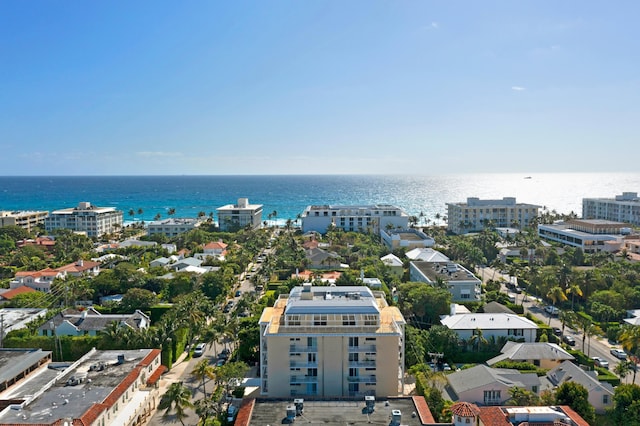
[[590, 235], [363, 218], [462, 284], [331, 342], [622, 208], [86, 218], [103, 388], [476, 214], [172, 227], [406, 238], [24, 219], [240, 215]]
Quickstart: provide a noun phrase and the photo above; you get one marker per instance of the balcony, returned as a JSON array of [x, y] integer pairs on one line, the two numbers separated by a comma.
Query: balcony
[[363, 348], [303, 379], [362, 379], [362, 364], [303, 364], [302, 348]]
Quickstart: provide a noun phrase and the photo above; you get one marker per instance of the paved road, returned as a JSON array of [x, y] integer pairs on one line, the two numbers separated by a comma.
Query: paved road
[[596, 346]]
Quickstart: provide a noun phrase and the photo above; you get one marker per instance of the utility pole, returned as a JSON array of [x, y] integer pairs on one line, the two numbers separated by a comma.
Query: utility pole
[[435, 356], [1, 330]]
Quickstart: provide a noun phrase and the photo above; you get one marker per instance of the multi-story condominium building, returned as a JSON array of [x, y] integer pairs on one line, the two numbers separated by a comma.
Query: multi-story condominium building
[[476, 214], [371, 218], [331, 342], [240, 215], [622, 208], [103, 388], [172, 227], [406, 238], [24, 219], [590, 235], [462, 284], [85, 217]]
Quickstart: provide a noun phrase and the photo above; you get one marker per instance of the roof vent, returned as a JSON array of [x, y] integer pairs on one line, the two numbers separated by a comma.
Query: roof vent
[[299, 404], [396, 417], [370, 402], [291, 414]]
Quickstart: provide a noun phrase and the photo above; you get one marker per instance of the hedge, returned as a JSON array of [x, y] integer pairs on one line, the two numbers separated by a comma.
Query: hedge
[[473, 357], [73, 347], [158, 311]]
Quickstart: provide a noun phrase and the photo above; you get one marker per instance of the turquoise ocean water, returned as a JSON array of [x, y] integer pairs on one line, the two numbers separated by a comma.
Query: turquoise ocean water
[[288, 195]]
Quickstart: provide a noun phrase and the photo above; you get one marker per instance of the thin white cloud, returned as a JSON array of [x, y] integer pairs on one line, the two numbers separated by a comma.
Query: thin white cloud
[[518, 88], [158, 154], [435, 25]]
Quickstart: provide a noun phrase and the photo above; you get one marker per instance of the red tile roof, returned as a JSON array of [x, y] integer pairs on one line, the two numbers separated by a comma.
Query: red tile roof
[[465, 409], [577, 418], [493, 416], [147, 360], [8, 295], [90, 415], [423, 410], [155, 376], [216, 245], [245, 412], [76, 267]]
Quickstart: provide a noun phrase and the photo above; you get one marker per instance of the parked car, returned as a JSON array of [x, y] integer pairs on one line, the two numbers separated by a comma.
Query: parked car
[[551, 310], [220, 362], [600, 362], [569, 340], [618, 353], [199, 350], [557, 331]]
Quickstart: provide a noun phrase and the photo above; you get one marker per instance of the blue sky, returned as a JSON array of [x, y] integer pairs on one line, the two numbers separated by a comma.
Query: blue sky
[[317, 87]]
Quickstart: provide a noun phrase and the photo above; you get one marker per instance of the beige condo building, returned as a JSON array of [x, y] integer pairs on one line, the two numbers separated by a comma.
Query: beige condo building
[[24, 219], [476, 214], [332, 342]]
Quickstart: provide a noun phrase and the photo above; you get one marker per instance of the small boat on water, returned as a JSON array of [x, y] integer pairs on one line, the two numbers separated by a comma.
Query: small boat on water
[[527, 177]]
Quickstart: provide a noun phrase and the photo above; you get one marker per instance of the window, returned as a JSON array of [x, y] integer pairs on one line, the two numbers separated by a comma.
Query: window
[[312, 342], [319, 319], [492, 397], [353, 357], [348, 320], [605, 399], [370, 320], [353, 372], [312, 372], [353, 342], [294, 319], [311, 357]]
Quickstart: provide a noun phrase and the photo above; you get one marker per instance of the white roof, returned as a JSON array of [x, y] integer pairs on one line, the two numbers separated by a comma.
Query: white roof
[[391, 260], [426, 254], [487, 322]]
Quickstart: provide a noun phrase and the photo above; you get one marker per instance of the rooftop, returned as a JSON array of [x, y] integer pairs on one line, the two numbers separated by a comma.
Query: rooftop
[[351, 412], [531, 351], [448, 271], [54, 400], [487, 322]]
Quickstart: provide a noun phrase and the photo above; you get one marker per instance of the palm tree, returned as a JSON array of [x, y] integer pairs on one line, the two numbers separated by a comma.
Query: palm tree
[[140, 211], [178, 398], [274, 214], [171, 211], [556, 295], [574, 289], [568, 318], [157, 217], [132, 212], [630, 340], [623, 369], [477, 339], [203, 371]]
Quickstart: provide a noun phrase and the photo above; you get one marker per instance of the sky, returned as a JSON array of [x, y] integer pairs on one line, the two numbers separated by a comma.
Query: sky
[[318, 87]]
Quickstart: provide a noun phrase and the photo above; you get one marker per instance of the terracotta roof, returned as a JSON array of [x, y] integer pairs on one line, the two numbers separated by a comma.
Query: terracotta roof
[[149, 358], [577, 418], [90, 415], [76, 267], [216, 245], [493, 416], [423, 410], [15, 292], [36, 274], [465, 409], [155, 376], [243, 418]]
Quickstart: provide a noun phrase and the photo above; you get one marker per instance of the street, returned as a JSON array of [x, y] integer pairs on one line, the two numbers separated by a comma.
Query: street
[[596, 346]]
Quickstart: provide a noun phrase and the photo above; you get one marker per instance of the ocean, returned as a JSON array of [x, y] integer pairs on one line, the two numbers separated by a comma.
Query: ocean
[[288, 195]]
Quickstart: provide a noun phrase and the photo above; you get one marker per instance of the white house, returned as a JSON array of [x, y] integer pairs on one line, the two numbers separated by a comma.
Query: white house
[[405, 238], [427, 255], [509, 326], [542, 354], [462, 284], [90, 322]]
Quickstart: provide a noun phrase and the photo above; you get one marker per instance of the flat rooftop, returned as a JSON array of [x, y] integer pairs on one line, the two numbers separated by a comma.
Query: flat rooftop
[[448, 271], [352, 413], [54, 400]]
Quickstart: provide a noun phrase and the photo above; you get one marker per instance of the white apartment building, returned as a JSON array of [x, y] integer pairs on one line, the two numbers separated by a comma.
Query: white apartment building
[[590, 235], [473, 215], [240, 215], [172, 227], [462, 284], [331, 342], [87, 218], [370, 218], [24, 219], [622, 208]]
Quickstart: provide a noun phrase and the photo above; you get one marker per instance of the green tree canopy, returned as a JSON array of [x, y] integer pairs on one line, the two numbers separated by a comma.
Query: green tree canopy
[[577, 397], [422, 303]]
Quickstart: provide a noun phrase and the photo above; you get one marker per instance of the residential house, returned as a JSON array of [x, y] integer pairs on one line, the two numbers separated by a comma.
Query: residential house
[[37, 280], [9, 294], [90, 322], [426, 255], [461, 283], [216, 249], [321, 259], [46, 243], [600, 393], [81, 268], [488, 386], [406, 238], [394, 264], [556, 415], [509, 326], [542, 354]]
